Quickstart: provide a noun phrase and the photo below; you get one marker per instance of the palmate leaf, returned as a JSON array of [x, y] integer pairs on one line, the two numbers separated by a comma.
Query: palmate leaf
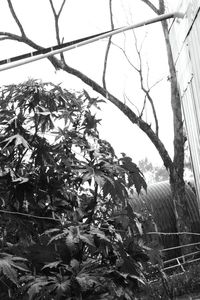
[[116, 188], [7, 269], [135, 176], [100, 234], [122, 278], [53, 264], [36, 286], [52, 230], [61, 288], [87, 282], [19, 140], [87, 238], [59, 236], [42, 286]]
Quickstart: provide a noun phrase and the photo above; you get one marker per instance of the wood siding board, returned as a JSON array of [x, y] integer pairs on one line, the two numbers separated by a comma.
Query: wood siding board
[[192, 130]]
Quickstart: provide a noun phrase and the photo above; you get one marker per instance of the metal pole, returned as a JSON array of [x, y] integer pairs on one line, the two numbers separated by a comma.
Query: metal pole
[[92, 40]]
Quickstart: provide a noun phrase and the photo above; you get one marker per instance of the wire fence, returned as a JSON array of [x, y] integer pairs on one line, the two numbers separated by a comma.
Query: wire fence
[[184, 259]]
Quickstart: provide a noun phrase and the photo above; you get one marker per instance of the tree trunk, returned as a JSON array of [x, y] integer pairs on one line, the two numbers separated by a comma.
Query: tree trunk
[[177, 171]]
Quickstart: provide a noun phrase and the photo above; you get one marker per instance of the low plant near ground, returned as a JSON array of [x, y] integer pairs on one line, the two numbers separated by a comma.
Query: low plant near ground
[[177, 284]]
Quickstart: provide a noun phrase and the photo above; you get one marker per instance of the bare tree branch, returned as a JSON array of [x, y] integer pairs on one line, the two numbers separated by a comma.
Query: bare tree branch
[[127, 98], [144, 105], [126, 56], [61, 8], [145, 90], [152, 6], [4, 38], [108, 46], [146, 128], [12, 36], [16, 18], [56, 20]]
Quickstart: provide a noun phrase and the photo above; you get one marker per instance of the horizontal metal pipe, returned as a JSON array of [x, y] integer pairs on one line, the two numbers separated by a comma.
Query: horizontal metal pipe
[[92, 40]]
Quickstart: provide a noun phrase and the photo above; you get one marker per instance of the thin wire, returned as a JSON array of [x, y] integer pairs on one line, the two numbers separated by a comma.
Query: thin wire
[[179, 265], [182, 256], [28, 215], [173, 233], [178, 247], [49, 49]]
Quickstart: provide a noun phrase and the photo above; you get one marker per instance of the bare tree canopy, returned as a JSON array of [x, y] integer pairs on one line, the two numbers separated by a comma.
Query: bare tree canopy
[[175, 165]]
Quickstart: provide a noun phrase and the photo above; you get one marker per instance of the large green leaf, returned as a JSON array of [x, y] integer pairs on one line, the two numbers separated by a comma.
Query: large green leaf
[[7, 270], [9, 264], [18, 140]]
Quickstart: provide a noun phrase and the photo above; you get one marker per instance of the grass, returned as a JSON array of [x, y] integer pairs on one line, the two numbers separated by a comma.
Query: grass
[[174, 286]]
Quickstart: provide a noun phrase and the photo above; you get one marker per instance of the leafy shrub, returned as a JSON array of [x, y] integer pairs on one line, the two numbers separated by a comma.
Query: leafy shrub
[[67, 229]]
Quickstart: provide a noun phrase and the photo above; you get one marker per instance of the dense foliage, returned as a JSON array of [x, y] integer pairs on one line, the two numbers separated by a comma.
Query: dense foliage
[[67, 230]]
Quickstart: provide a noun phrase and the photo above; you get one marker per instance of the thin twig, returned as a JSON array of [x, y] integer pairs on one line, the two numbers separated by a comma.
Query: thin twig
[[61, 8], [146, 91], [16, 18], [127, 98], [56, 19], [108, 46], [143, 108], [126, 56]]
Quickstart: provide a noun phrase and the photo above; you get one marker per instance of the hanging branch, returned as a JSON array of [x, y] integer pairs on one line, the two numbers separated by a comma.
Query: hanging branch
[[56, 19], [108, 46]]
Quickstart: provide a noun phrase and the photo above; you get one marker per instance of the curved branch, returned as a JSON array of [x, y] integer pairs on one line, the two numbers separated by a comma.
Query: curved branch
[[16, 18], [27, 41], [108, 46], [12, 36], [152, 6]]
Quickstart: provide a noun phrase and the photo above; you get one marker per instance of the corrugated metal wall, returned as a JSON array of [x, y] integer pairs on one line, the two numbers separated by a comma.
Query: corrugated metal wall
[[185, 42], [159, 202]]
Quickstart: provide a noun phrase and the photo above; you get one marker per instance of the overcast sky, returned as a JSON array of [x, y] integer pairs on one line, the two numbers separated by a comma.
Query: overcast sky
[[82, 18]]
